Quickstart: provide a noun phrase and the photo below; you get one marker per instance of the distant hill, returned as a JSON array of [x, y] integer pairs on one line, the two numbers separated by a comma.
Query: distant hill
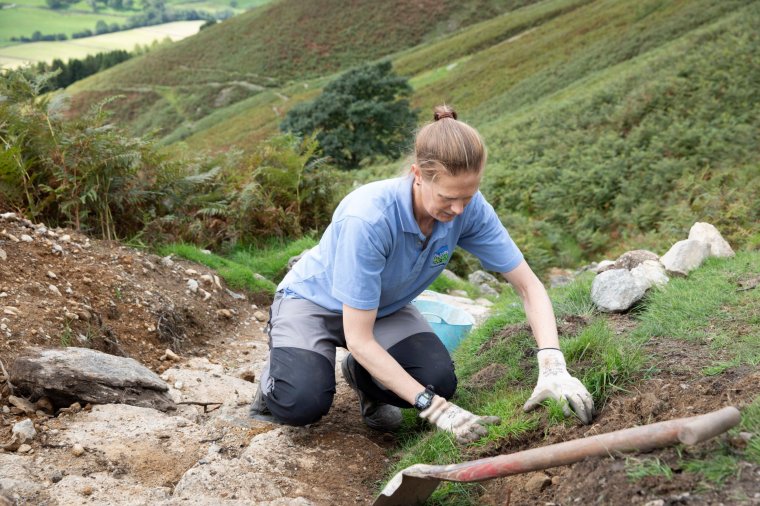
[[269, 47], [608, 122]]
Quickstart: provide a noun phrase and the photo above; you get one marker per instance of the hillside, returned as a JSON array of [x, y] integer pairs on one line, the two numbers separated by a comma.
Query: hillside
[[606, 125], [269, 47]]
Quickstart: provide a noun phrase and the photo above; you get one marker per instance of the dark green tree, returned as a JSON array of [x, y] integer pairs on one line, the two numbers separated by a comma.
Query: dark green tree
[[364, 114]]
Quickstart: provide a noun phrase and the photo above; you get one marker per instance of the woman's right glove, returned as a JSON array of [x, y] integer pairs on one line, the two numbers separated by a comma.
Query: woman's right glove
[[465, 426]]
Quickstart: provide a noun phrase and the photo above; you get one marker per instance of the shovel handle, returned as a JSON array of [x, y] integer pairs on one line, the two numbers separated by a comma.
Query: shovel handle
[[644, 438]]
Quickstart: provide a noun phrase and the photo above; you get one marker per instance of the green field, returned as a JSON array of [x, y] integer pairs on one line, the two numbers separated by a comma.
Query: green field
[[24, 20], [32, 52]]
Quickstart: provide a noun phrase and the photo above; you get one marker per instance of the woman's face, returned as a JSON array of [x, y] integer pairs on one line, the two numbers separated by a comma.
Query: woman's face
[[446, 197]]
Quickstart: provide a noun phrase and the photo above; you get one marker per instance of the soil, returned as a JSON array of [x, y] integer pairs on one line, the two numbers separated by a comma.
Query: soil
[[127, 302]]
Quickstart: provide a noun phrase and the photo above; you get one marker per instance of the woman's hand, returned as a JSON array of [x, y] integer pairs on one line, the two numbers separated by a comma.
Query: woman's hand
[[554, 382], [465, 426]]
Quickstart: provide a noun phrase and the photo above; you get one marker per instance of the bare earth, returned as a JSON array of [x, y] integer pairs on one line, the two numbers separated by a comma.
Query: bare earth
[[126, 302]]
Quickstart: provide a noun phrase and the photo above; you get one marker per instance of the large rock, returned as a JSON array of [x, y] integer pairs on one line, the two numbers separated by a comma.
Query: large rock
[[650, 273], [685, 256], [616, 290], [628, 260], [707, 233], [80, 374]]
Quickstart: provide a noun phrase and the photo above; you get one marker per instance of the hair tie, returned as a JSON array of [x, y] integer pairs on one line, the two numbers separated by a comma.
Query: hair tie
[[445, 114]]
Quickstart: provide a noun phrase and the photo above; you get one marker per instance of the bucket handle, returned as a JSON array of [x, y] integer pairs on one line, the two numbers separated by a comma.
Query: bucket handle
[[440, 318]]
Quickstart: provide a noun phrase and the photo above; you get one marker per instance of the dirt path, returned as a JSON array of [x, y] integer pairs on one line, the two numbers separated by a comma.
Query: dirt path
[[60, 288]]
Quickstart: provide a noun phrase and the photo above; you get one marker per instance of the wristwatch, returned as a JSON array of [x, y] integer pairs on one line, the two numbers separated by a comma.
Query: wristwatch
[[424, 399]]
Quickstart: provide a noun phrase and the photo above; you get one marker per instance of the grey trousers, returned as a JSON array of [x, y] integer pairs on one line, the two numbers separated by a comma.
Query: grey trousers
[[298, 379]]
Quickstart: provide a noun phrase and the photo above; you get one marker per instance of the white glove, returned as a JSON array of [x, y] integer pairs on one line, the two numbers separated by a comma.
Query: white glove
[[466, 426], [554, 382]]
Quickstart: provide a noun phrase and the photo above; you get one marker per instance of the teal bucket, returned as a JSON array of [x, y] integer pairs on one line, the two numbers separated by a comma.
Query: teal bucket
[[449, 323]]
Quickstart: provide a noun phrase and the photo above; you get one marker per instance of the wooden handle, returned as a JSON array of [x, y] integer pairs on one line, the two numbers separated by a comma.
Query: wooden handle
[[710, 425]]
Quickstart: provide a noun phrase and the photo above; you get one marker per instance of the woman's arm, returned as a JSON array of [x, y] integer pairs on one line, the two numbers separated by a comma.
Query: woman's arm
[[358, 325], [538, 307]]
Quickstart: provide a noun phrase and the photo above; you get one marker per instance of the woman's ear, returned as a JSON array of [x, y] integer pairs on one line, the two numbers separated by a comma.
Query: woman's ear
[[417, 174]]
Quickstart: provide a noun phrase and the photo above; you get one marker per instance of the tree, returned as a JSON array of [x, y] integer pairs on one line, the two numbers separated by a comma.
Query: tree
[[361, 115]]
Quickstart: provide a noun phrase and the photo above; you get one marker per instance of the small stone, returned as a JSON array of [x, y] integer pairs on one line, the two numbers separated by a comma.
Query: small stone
[[179, 385], [65, 238], [169, 355], [56, 476], [3, 254], [86, 280], [260, 316], [167, 261], [206, 295], [10, 310], [26, 238], [207, 280], [205, 252], [77, 450], [192, 285], [54, 289], [84, 315], [57, 250], [656, 502], [51, 275], [224, 313], [87, 490], [538, 483], [191, 272], [24, 448], [24, 405], [9, 216], [11, 236]]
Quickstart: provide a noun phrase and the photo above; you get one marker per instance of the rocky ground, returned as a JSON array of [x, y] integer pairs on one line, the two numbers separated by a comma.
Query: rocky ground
[[59, 288]]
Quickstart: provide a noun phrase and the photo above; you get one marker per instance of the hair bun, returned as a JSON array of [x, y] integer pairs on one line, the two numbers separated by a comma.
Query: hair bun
[[443, 111]]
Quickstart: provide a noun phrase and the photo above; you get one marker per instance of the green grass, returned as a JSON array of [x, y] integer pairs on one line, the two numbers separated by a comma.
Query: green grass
[[638, 468], [14, 55], [23, 21], [607, 362], [238, 277]]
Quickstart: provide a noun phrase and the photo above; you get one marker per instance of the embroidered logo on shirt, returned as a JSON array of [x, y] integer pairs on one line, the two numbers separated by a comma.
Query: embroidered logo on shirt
[[441, 256]]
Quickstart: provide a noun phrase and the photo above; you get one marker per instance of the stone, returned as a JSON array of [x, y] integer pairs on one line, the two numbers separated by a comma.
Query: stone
[[707, 233], [24, 448], [8, 216], [604, 265], [11, 236], [293, 260], [446, 273], [224, 313], [487, 289], [685, 256], [207, 280], [538, 483], [616, 290], [650, 273], [560, 277], [10, 310], [192, 285], [57, 250], [51, 275], [260, 316], [22, 404], [3, 255], [24, 431], [169, 355], [634, 258], [191, 272], [26, 238], [81, 374], [54, 290], [479, 277], [65, 238], [655, 502], [167, 261]]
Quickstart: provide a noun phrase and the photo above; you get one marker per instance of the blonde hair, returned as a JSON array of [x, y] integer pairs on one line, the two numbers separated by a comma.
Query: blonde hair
[[448, 145]]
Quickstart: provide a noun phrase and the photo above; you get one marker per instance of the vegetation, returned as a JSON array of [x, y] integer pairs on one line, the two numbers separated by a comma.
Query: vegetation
[[361, 116], [67, 73], [89, 175], [607, 362]]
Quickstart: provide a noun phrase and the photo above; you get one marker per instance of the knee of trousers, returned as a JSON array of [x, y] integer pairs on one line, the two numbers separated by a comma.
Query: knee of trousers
[[302, 386], [425, 357]]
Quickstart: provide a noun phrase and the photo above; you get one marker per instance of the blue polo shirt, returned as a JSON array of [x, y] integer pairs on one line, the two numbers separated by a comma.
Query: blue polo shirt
[[372, 256]]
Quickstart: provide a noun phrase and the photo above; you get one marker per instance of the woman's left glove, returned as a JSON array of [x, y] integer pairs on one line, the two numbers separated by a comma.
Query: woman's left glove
[[554, 382], [466, 427]]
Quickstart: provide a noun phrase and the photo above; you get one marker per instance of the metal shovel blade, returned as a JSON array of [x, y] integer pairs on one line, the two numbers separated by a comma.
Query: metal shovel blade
[[414, 484]]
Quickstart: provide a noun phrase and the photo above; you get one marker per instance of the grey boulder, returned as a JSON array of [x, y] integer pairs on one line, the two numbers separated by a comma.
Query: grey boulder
[[616, 290]]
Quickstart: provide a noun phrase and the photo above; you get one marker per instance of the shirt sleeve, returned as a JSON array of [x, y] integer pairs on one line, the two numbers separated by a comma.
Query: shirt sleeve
[[359, 262], [485, 237]]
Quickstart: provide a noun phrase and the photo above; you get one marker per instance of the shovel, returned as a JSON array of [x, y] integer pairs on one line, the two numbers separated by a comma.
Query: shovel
[[414, 484]]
